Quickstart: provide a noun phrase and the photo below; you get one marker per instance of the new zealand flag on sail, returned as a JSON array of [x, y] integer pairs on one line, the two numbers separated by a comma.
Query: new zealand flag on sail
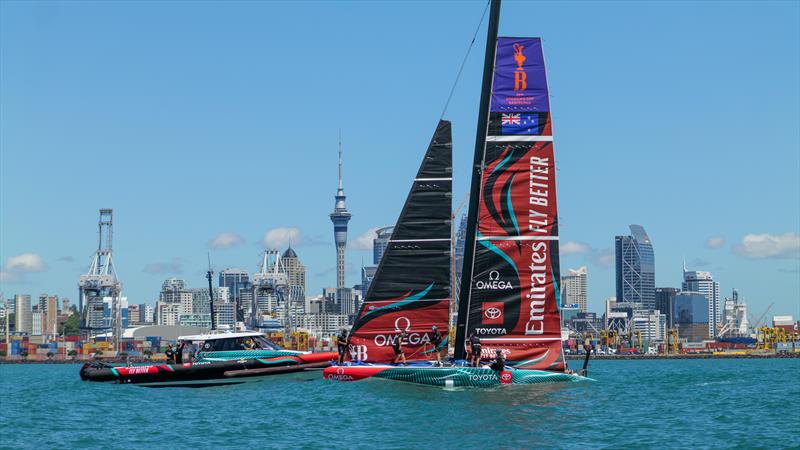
[[517, 123]]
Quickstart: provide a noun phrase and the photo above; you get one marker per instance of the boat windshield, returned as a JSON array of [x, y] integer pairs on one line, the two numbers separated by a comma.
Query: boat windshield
[[239, 343]]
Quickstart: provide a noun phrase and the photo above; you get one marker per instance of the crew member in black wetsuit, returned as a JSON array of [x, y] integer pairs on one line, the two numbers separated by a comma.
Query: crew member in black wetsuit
[[397, 345], [436, 340], [179, 353], [341, 344], [170, 354], [499, 362], [475, 346]]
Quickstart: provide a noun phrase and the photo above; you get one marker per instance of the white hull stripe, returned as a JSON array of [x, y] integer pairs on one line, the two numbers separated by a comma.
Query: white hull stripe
[[518, 238], [420, 240], [433, 179], [519, 138], [520, 339]]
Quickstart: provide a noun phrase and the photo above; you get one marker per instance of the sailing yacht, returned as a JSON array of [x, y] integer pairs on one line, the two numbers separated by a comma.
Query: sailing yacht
[[510, 280]]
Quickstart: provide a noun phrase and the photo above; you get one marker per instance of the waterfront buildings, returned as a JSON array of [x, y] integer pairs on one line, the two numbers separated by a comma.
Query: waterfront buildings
[[239, 287], [23, 320], [380, 243], [735, 322], [635, 268], [367, 274], [690, 316], [295, 272], [703, 282], [573, 288], [665, 298]]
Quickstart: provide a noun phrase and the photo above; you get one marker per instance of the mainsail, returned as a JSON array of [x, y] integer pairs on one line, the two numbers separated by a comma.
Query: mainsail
[[512, 295], [411, 288]]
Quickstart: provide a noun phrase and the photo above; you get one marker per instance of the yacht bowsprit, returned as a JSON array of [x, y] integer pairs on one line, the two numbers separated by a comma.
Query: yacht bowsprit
[[223, 358]]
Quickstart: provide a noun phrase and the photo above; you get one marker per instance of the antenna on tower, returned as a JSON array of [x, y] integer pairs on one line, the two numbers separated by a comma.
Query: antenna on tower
[[210, 276], [340, 159]]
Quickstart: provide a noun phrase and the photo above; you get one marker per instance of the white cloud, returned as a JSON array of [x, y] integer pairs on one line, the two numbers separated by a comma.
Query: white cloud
[[225, 240], [282, 237], [25, 262], [757, 246], [575, 248], [715, 242], [364, 240], [174, 267], [603, 257], [9, 277]]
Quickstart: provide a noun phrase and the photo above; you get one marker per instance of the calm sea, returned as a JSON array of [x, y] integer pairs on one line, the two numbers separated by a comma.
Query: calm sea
[[684, 404]]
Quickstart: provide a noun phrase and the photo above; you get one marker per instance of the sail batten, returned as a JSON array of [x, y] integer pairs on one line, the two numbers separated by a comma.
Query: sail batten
[[410, 291], [513, 287]]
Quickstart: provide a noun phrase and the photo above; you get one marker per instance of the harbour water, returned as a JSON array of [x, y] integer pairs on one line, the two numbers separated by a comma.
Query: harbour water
[[676, 404]]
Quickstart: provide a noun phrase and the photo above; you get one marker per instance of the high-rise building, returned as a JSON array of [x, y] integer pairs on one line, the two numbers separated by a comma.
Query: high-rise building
[[690, 316], [340, 217], [573, 288], [170, 290], [238, 283], [380, 243], [50, 317], [295, 270], [367, 274], [36, 322], [636, 268], [703, 282], [665, 297], [23, 320], [735, 321]]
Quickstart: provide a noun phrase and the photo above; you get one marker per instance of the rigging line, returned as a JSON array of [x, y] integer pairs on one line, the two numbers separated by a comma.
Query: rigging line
[[464, 61]]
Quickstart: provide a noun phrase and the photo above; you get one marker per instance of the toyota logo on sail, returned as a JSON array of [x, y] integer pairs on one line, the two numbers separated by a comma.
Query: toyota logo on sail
[[493, 313], [494, 282]]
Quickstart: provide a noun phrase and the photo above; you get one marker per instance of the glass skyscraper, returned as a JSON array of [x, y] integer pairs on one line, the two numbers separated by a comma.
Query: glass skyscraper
[[636, 268]]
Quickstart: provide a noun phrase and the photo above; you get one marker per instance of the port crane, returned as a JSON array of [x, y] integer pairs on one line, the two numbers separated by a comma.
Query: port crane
[[100, 282], [270, 288]]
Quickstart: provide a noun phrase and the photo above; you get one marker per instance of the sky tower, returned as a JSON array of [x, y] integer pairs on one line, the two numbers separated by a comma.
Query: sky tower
[[340, 216]]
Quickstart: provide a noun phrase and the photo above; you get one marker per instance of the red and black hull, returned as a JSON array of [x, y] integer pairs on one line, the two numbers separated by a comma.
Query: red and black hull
[[204, 373]]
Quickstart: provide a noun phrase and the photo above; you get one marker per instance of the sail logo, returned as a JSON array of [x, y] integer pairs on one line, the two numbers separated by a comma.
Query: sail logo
[[494, 282], [493, 313], [402, 325], [520, 76], [340, 375], [358, 353]]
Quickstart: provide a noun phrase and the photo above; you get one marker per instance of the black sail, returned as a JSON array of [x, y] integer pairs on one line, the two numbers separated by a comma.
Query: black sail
[[411, 289]]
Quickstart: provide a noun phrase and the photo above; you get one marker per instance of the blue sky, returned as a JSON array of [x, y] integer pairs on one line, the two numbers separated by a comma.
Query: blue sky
[[196, 119]]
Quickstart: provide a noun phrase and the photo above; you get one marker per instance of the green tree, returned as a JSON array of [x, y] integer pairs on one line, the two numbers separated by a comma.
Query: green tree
[[72, 353], [71, 326], [50, 355], [98, 353]]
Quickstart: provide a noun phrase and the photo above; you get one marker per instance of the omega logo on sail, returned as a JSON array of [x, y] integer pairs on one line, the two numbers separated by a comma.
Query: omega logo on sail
[[494, 282], [412, 338]]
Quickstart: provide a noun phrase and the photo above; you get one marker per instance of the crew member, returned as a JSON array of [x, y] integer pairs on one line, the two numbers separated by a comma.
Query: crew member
[[436, 340], [179, 353], [170, 354], [341, 345], [499, 362], [475, 345], [397, 345]]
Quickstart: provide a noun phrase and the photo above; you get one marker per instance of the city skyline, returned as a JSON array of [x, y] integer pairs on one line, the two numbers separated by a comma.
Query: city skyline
[[179, 196]]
